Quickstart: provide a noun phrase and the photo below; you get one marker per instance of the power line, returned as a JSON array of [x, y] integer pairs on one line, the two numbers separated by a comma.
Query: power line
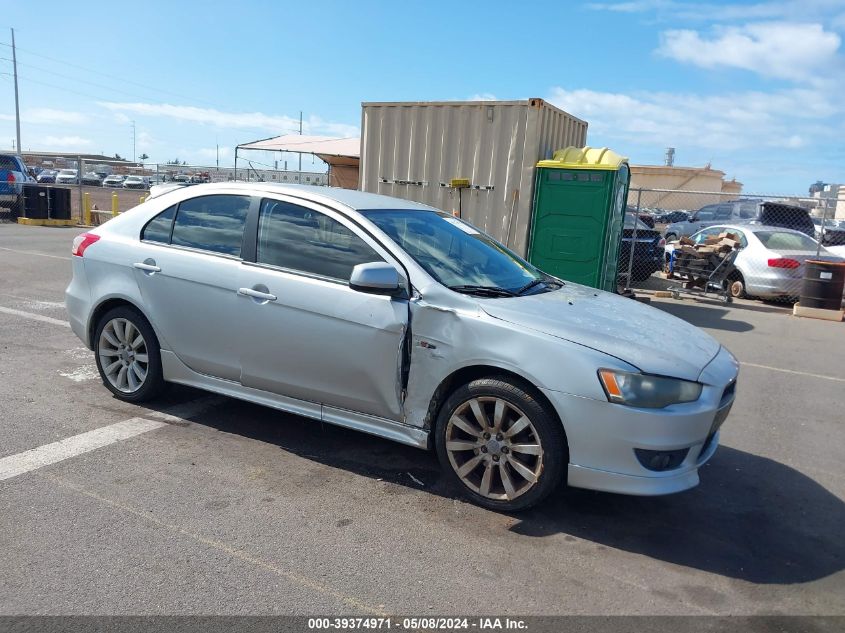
[[108, 76]]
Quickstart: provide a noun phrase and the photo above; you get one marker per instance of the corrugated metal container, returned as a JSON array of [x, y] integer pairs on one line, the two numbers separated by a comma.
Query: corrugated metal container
[[414, 150]]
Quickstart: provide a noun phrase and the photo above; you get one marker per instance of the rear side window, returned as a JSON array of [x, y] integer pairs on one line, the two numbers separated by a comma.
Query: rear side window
[[212, 223], [8, 163], [158, 229], [777, 240], [300, 239]]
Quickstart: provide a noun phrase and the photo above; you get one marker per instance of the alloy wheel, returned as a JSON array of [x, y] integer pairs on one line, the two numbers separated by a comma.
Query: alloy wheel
[[494, 448], [123, 355]]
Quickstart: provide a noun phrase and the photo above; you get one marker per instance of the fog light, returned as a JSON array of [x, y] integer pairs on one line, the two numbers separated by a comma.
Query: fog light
[[661, 460]]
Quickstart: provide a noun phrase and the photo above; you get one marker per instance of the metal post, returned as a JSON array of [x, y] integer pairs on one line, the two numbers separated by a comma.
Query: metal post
[[236, 163], [80, 165], [633, 237], [17, 105], [300, 153], [86, 209], [115, 204]]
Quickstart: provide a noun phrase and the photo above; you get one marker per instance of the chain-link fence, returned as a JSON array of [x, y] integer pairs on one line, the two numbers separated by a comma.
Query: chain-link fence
[[90, 191], [730, 245]]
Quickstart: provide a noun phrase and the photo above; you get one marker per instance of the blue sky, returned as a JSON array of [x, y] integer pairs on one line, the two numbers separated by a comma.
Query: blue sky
[[755, 88]]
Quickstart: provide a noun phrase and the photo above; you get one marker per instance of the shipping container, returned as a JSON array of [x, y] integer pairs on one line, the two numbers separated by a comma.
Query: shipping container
[[476, 159]]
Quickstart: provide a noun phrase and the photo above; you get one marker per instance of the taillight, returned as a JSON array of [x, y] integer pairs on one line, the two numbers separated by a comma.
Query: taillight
[[662, 242], [784, 262], [81, 242], [10, 177]]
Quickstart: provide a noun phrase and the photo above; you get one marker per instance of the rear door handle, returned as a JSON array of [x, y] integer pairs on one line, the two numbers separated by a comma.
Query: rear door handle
[[150, 268], [256, 294]]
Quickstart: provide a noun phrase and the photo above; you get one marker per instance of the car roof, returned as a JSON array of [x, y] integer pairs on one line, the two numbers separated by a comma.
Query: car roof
[[753, 228], [352, 198]]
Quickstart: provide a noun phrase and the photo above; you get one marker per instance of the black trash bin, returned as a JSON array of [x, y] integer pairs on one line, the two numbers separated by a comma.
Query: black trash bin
[[823, 284], [59, 203], [35, 203]]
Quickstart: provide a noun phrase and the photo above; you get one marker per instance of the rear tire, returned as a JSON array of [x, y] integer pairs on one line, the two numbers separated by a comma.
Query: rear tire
[[128, 355], [499, 445]]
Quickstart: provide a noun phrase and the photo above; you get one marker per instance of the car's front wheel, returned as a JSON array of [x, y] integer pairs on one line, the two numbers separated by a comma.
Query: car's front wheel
[[128, 355], [500, 445]]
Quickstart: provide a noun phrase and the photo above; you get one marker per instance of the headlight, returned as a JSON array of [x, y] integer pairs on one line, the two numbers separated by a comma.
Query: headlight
[[642, 390]]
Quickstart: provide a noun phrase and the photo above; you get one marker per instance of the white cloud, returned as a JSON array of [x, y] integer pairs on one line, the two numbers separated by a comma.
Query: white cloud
[[727, 123], [48, 116], [61, 143], [797, 52], [277, 124]]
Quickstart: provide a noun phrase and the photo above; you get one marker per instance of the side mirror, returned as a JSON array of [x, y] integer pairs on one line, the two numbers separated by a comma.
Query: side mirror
[[379, 278]]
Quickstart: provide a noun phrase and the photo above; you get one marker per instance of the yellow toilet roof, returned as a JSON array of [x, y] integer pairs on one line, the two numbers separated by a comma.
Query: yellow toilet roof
[[584, 158]]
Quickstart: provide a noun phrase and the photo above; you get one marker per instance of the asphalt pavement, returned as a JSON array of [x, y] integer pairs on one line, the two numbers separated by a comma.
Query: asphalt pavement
[[210, 505]]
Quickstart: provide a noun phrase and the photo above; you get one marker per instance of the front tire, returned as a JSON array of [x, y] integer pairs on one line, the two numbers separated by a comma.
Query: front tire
[[128, 355], [499, 445]]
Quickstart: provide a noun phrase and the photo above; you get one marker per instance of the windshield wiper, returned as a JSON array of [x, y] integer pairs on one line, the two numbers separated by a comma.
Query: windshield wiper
[[493, 291], [536, 282]]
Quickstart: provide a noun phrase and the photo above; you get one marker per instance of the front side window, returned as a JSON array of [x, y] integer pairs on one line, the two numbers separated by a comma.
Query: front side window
[[212, 223], [158, 229], [453, 252], [303, 240]]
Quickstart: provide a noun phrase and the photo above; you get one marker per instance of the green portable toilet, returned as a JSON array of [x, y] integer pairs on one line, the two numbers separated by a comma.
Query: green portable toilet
[[579, 204]]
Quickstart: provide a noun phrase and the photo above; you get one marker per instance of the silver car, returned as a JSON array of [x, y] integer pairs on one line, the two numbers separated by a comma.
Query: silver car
[[399, 320], [770, 263]]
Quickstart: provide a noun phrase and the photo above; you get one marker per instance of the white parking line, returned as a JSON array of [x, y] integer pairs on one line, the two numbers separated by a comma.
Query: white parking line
[[15, 250], [34, 317], [20, 463], [15, 465], [792, 371]]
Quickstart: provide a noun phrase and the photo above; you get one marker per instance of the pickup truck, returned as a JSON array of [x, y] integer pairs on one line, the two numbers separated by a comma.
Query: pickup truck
[[13, 175]]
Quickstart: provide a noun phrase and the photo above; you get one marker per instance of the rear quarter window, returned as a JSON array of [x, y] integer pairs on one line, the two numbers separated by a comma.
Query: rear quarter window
[[158, 229]]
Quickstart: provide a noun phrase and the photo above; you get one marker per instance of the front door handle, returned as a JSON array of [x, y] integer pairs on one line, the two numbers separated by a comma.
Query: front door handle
[[147, 268], [256, 294]]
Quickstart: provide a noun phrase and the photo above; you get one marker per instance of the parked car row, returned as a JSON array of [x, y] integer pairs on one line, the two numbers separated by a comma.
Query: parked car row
[[71, 177]]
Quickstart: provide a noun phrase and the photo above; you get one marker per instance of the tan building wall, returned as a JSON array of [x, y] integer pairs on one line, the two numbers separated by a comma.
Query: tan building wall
[[680, 178]]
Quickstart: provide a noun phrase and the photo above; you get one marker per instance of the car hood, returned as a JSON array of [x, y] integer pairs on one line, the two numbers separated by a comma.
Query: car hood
[[647, 338]]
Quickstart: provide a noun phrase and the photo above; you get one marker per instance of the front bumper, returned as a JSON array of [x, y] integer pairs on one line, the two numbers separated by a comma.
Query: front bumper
[[604, 437]]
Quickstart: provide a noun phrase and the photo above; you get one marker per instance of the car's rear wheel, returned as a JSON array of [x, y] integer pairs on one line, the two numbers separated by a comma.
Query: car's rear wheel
[[128, 355], [499, 445]]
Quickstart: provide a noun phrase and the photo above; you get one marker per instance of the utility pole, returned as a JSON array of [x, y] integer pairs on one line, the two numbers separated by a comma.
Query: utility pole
[[17, 104], [300, 153], [133, 141], [218, 157]]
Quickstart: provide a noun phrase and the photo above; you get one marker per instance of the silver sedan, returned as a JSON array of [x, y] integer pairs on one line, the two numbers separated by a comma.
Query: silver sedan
[[399, 320], [770, 263]]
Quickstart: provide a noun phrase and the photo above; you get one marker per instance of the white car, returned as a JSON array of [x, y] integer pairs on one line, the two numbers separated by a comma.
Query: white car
[[400, 320], [114, 180], [134, 182], [67, 177]]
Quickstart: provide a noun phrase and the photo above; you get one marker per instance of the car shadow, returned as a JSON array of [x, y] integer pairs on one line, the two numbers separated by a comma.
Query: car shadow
[[705, 315], [752, 518]]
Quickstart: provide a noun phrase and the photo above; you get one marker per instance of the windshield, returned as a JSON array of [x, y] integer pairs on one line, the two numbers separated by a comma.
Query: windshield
[[455, 253], [789, 241]]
